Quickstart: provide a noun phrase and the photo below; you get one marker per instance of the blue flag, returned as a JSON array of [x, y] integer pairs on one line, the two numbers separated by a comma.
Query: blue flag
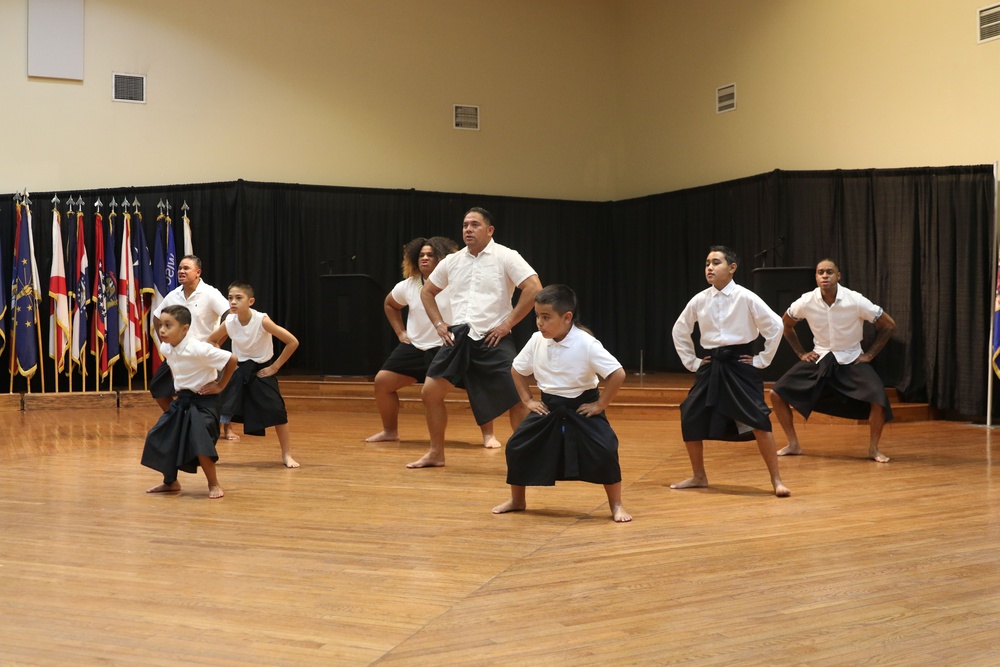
[[79, 294], [23, 299], [171, 257], [111, 291]]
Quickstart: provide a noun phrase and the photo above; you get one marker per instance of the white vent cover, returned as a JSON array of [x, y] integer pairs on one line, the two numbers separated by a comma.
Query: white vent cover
[[129, 88], [989, 23], [466, 117], [725, 98]]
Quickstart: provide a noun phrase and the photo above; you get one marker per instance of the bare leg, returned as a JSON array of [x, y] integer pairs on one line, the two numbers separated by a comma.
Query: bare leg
[[285, 440], [208, 465], [228, 433], [765, 444], [165, 487], [387, 384], [876, 420], [517, 415], [489, 440], [618, 512], [783, 412], [696, 452], [433, 394], [517, 502]]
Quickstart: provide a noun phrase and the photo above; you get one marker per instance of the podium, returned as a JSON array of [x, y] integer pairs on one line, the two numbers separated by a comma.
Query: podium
[[778, 287], [351, 324]]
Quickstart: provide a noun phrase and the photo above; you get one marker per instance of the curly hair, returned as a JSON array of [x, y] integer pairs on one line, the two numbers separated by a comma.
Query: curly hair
[[442, 247]]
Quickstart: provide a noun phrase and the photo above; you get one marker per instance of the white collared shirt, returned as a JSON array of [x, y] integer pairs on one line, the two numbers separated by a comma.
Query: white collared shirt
[[568, 367], [481, 286], [731, 316], [419, 327], [839, 327], [194, 363], [206, 304], [250, 340]]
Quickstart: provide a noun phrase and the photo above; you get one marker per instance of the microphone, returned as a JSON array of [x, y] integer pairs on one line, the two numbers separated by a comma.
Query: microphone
[[763, 253]]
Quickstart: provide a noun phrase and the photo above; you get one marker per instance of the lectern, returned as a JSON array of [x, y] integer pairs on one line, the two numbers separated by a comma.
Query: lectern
[[778, 287], [351, 324]]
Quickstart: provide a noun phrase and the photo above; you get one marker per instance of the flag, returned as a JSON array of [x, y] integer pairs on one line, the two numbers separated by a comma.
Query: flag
[[111, 289], [3, 311], [143, 272], [58, 299], [23, 299], [160, 281], [129, 322], [188, 243], [79, 292], [996, 323], [100, 298], [171, 258]]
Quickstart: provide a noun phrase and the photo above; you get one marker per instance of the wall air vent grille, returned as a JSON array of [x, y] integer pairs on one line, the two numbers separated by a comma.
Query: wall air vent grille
[[129, 88], [989, 23], [725, 98], [466, 117]]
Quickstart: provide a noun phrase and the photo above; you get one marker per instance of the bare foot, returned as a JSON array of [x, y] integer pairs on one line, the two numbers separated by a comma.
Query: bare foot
[[693, 483], [790, 450], [511, 506], [228, 434], [619, 514], [289, 461], [165, 488], [427, 461], [491, 443], [876, 455], [781, 490], [383, 436], [215, 492]]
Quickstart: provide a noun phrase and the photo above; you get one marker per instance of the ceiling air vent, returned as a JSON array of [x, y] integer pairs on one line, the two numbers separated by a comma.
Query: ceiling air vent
[[989, 23], [725, 98], [129, 88], [466, 117]]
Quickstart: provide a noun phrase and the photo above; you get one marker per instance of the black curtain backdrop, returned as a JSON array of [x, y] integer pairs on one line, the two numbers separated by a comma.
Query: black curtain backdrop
[[916, 241]]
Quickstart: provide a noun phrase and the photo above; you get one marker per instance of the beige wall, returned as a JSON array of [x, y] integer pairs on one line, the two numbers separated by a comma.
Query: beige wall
[[339, 92], [581, 99], [821, 84]]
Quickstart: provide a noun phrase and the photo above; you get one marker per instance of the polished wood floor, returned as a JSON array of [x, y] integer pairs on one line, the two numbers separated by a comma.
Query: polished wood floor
[[355, 560]]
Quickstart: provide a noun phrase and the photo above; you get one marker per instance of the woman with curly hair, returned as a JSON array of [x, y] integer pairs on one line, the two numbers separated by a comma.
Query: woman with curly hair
[[418, 340]]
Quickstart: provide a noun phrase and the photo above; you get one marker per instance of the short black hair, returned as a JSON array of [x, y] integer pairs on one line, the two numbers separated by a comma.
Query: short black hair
[[730, 254], [241, 285], [560, 297], [193, 258], [487, 216], [179, 313]]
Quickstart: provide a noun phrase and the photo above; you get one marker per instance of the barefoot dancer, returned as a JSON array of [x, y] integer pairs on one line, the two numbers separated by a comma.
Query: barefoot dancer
[[418, 342], [184, 436], [727, 399], [566, 435], [477, 350], [253, 397], [835, 377]]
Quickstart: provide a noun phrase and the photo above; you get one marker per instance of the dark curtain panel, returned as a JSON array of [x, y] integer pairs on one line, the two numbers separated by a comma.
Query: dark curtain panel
[[916, 241]]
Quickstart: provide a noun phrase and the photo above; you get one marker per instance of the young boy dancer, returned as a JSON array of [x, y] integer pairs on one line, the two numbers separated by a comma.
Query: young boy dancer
[[727, 399], [253, 397], [566, 435], [835, 377], [184, 436]]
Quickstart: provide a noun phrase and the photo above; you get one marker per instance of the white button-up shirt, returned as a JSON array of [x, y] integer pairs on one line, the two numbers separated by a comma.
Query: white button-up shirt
[[568, 367], [731, 316], [481, 286], [839, 327], [419, 327], [206, 304], [194, 363]]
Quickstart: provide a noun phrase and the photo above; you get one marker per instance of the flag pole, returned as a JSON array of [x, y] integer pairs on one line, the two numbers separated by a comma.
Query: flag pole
[[995, 296]]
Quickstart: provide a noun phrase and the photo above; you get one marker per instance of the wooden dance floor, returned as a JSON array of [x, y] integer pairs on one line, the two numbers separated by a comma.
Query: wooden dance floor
[[355, 560]]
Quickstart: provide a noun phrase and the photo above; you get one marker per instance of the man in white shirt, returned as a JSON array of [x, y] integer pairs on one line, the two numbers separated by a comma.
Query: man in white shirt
[[835, 377], [476, 348], [207, 306], [727, 399]]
